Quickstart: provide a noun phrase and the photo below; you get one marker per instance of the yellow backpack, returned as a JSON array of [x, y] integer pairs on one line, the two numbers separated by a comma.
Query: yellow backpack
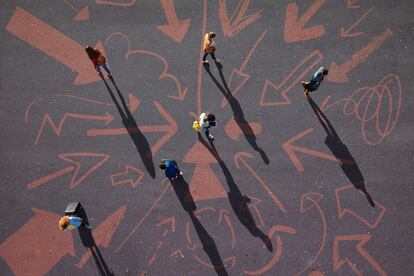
[[196, 126]]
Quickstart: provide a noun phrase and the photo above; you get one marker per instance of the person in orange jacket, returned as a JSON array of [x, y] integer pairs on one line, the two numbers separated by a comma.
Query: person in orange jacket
[[209, 47], [98, 60]]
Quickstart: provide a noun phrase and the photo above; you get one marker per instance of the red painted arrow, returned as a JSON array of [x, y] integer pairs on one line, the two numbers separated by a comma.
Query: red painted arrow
[[370, 218], [104, 232], [292, 149], [224, 215], [131, 175], [337, 73], [204, 182], [289, 81], [238, 77], [80, 14], [169, 129], [295, 29], [77, 177], [362, 239], [347, 32], [175, 29], [37, 246], [238, 21], [53, 43], [57, 128]]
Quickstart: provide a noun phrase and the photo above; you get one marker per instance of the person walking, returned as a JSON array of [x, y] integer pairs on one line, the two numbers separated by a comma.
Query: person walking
[[314, 83], [205, 122], [72, 222], [171, 168], [98, 60], [209, 47]]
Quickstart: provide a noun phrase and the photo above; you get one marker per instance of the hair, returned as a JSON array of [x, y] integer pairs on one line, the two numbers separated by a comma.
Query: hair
[[211, 117], [163, 166], [63, 222], [92, 54], [211, 34], [325, 71]]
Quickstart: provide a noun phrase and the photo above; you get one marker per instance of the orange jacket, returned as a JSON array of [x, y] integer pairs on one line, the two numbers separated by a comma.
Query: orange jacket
[[208, 47]]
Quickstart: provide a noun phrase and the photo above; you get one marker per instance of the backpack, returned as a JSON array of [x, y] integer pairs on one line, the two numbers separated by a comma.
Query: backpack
[[196, 126]]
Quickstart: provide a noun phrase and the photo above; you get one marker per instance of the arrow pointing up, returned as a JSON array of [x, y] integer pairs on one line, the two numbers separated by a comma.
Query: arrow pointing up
[[175, 29], [204, 183], [53, 43]]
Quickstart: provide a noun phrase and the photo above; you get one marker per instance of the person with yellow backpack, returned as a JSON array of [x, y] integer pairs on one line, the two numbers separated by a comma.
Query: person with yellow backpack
[[205, 122]]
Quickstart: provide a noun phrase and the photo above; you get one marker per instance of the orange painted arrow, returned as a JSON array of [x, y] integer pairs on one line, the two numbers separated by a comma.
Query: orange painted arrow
[[337, 73], [224, 215], [238, 21], [362, 239], [80, 14], [238, 77], [289, 81], [53, 43], [118, 3], [347, 32], [295, 29], [37, 246], [239, 158], [104, 232], [292, 149], [107, 118], [370, 218], [169, 129], [131, 175], [175, 29], [204, 182], [76, 165], [169, 221]]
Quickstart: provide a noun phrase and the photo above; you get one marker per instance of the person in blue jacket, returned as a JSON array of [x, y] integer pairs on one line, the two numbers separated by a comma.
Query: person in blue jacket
[[171, 168], [316, 80]]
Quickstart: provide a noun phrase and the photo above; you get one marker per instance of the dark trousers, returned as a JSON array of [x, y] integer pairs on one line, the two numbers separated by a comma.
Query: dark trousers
[[207, 132], [212, 56]]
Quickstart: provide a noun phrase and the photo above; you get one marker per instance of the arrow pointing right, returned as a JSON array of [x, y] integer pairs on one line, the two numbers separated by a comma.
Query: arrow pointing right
[[292, 149], [131, 175]]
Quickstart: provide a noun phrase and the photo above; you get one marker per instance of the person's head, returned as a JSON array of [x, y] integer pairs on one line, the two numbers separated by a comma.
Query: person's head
[[325, 71], [162, 166], [63, 222], [211, 35], [211, 117], [92, 54]]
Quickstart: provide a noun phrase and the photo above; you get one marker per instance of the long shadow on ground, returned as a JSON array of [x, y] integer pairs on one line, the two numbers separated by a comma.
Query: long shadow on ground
[[182, 191], [140, 142], [341, 152], [238, 114], [238, 201]]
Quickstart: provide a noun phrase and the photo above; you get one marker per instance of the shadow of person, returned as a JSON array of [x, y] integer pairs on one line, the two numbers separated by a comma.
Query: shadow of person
[[89, 242], [341, 152], [238, 201], [139, 140], [238, 114], [181, 189]]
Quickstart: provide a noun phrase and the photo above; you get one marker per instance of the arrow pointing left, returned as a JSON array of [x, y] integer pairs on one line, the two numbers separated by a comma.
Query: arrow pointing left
[[76, 165], [53, 43]]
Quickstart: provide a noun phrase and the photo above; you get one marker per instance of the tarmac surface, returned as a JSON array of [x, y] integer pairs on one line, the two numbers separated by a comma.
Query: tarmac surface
[[290, 186]]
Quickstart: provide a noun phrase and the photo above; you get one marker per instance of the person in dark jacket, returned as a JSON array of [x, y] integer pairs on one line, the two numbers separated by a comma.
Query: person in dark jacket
[[98, 60], [316, 80], [171, 168]]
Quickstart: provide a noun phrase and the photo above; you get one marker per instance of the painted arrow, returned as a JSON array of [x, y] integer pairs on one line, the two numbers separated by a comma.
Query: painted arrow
[[37, 246], [169, 129], [104, 232], [338, 73], [53, 43], [289, 81], [362, 239], [295, 29], [239, 159], [175, 29], [81, 15], [292, 149], [170, 227], [131, 175], [347, 32], [76, 166], [307, 202], [238, 21], [225, 216], [238, 77], [370, 218], [204, 182], [57, 128], [121, 3]]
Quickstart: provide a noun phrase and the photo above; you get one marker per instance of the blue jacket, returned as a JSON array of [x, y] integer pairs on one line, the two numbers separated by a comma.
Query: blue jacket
[[172, 170]]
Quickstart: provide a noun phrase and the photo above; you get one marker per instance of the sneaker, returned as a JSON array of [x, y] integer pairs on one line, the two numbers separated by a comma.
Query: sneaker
[[181, 173], [205, 61], [306, 94], [218, 60], [211, 137]]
